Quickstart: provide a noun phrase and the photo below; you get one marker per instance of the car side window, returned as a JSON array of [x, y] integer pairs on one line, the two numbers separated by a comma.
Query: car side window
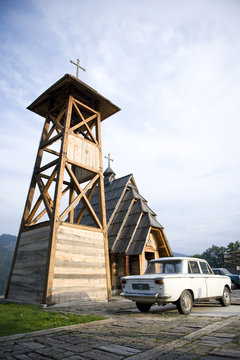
[[204, 267], [193, 267], [169, 268]]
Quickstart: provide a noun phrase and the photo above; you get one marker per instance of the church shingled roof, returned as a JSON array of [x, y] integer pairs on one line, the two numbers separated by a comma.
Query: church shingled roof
[[129, 218]]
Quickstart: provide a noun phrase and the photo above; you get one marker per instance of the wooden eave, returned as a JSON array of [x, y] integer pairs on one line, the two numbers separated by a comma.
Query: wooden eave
[[163, 239], [59, 91]]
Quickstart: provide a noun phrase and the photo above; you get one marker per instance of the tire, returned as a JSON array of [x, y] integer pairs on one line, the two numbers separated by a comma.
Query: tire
[[143, 307], [185, 303], [226, 297]]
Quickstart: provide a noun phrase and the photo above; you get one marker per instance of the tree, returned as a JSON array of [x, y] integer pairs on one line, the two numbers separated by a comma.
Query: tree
[[213, 255], [233, 246]]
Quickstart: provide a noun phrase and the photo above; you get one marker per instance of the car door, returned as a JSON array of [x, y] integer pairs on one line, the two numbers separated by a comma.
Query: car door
[[214, 287], [197, 280]]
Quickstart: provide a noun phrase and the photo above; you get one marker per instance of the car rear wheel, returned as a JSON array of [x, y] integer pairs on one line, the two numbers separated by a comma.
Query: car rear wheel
[[185, 303], [143, 307], [226, 297]]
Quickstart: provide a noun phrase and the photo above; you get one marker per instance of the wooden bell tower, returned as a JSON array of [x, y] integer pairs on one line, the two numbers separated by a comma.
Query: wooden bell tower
[[57, 259]]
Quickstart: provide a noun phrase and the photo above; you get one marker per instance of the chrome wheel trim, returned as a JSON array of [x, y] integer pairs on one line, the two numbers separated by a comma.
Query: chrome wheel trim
[[187, 301]]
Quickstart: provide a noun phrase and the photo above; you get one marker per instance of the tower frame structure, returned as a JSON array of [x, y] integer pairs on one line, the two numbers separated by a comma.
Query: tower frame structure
[[57, 259]]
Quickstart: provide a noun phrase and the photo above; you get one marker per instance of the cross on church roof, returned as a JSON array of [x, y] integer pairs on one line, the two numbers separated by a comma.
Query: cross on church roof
[[109, 159], [78, 66]]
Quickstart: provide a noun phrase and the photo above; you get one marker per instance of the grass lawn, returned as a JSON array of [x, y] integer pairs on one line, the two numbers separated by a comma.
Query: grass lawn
[[19, 318]]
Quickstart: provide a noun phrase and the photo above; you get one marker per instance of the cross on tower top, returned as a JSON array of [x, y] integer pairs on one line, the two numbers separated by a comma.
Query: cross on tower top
[[109, 159], [78, 66]]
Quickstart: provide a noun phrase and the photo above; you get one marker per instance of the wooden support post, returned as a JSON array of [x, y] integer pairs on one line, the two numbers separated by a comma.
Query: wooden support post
[[141, 263], [102, 207], [126, 265], [56, 206]]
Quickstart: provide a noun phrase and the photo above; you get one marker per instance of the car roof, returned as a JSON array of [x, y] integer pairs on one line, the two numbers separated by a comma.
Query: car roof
[[177, 258]]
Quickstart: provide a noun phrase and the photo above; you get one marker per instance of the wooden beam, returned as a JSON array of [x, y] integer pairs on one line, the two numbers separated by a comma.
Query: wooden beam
[[123, 222], [47, 293], [33, 181], [134, 231], [83, 166], [34, 210], [92, 212], [47, 166], [141, 264], [89, 196], [85, 106], [48, 184], [51, 141], [47, 177], [56, 122], [126, 265], [38, 217], [75, 127], [45, 196], [85, 123], [71, 198], [53, 152], [117, 205], [50, 132], [102, 205], [81, 195]]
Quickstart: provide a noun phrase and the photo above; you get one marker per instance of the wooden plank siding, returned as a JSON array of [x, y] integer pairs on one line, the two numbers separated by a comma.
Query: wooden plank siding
[[28, 276], [83, 152], [80, 267]]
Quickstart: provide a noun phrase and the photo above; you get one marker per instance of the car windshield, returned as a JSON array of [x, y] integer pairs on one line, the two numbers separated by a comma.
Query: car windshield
[[226, 272], [164, 267]]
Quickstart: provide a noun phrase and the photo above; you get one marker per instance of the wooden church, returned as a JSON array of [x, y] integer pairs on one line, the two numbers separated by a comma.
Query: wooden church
[[73, 245], [134, 234]]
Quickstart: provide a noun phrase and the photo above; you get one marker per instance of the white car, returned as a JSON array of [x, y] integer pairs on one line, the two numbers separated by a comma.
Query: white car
[[177, 280]]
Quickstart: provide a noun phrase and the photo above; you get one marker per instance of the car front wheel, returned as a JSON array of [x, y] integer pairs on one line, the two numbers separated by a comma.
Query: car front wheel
[[143, 307], [185, 303], [226, 297]]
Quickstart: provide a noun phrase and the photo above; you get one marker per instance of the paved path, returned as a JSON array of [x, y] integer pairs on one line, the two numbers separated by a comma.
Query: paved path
[[209, 332]]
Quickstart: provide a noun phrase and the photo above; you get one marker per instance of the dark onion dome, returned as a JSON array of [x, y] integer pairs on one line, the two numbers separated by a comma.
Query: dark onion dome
[[108, 172]]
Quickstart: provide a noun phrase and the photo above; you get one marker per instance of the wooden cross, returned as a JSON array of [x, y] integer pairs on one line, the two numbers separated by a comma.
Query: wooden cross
[[78, 66], [109, 159]]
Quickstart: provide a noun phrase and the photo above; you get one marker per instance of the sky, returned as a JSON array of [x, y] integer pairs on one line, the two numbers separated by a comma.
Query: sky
[[171, 66]]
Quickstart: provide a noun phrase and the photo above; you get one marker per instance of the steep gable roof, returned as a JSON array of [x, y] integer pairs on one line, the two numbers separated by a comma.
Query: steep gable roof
[[129, 218]]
